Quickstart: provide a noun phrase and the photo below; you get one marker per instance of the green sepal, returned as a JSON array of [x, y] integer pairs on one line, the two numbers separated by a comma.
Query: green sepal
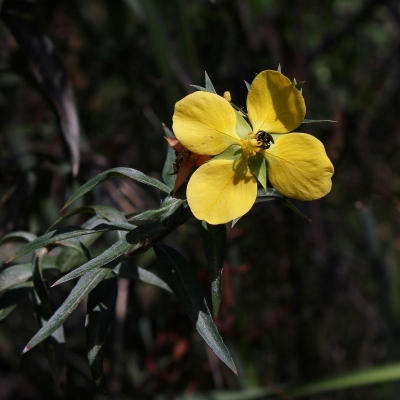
[[233, 152], [247, 85], [298, 85], [258, 167], [209, 86], [242, 126]]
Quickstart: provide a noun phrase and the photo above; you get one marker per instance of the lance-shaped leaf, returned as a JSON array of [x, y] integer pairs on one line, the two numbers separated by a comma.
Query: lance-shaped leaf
[[19, 235], [143, 275], [214, 239], [140, 237], [66, 233], [84, 286], [48, 70], [55, 343], [272, 194], [182, 280], [121, 172], [99, 318], [166, 209], [15, 275], [105, 213]]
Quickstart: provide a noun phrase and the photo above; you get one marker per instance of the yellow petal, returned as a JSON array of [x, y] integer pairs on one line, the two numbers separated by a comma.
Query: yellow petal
[[205, 123], [274, 105], [221, 190], [298, 167]]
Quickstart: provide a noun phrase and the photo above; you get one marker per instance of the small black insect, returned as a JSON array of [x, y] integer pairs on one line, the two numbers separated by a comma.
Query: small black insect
[[181, 156], [265, 138]]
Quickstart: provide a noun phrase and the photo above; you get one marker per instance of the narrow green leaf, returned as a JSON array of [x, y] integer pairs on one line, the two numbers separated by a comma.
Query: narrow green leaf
[[258, 167], [188, 292], [66, 233], [209, 85], [268, 194], [84, 286], [99, 318], [20, 235], [121, 172], [133, 240], [15, 275], [55, 343], [311, 121], [167, 208], [214, 239], [272, 194], [143, 275], [247, 85], [371, 376], [68, 257], [5, 312], [295, 209]]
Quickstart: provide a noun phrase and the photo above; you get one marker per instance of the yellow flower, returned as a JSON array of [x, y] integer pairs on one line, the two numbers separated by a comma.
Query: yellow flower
[[225, 188]]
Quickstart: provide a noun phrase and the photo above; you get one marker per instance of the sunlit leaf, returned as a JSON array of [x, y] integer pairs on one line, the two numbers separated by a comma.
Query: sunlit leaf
[[140, 237], [19, 235], [66, 233], [143, 275], [106, 213], [370, 376], [15, 275], [167, 208], [120, 172]]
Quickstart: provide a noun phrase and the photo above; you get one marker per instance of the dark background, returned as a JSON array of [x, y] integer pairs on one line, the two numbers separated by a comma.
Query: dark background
[[301, 301]]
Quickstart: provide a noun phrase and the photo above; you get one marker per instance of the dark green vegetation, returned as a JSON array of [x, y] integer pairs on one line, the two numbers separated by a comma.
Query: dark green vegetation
[[301, 301]]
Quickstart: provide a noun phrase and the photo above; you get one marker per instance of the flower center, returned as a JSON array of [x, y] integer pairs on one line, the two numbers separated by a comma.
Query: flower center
[[256, 142]]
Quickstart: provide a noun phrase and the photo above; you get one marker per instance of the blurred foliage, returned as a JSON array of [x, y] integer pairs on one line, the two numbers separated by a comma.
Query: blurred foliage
[[301, 301]]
